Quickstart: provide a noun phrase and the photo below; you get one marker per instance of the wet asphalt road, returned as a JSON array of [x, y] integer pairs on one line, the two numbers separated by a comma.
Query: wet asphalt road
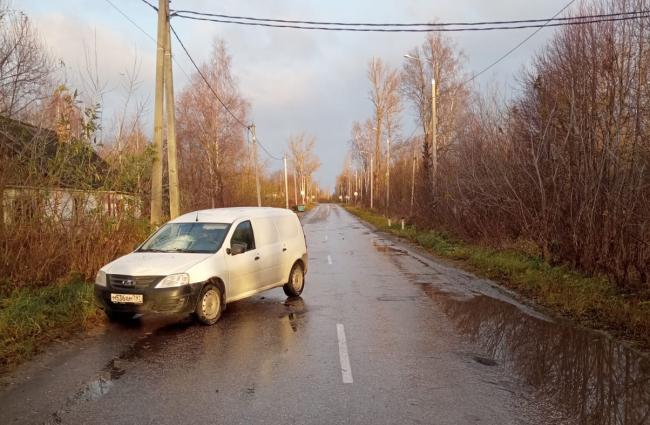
[[426, 343]]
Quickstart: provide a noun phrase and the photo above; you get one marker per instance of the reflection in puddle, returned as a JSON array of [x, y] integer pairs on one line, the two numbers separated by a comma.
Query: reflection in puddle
[[587, 375], [296, 307], [151, 342], [391, 249], [102, 384], [590, 377]]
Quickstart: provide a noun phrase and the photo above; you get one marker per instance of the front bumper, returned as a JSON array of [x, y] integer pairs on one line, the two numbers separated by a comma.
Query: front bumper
[[154, 301]]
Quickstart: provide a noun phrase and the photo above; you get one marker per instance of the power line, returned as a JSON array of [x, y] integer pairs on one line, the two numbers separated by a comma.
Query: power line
[[517, 46], [204, 79], [429, 24], [427, 30], [267, 152], [130, 20], [147, 34], [150, 5]]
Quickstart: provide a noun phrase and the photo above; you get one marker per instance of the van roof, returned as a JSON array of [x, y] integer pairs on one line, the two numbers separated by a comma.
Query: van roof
[[229, 215]]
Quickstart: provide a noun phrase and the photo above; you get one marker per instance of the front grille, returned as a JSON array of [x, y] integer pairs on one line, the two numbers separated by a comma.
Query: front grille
[[140, 282]]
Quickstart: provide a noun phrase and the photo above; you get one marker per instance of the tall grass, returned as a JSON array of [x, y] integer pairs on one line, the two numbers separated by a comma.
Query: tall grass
[[32, 315]]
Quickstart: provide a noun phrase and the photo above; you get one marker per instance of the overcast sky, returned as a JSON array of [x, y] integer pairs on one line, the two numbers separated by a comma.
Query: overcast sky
[[312, 81]]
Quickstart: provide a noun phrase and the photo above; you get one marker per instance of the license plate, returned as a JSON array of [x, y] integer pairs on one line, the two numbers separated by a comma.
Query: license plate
[[126, 298]]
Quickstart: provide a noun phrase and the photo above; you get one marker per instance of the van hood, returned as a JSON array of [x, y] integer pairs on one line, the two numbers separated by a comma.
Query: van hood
[[154, 263]]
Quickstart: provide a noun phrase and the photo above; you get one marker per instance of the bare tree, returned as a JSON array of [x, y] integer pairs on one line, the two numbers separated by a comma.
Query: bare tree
[[26, 67], [386, 101], [303, 161], [439, 59], [210, 139]]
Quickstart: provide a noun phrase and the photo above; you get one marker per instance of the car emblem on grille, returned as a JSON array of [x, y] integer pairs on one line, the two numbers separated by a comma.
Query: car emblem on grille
[[129, 283]]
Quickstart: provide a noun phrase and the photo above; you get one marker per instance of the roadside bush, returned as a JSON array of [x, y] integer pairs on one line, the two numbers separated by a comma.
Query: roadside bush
[[41, 252]]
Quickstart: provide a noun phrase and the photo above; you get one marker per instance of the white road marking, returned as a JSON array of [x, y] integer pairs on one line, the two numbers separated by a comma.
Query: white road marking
[[346, 371], [325, 237], [329, 260]]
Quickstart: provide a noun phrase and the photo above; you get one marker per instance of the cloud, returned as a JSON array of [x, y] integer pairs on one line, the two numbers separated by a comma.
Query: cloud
[[310, 81], [96, 53]]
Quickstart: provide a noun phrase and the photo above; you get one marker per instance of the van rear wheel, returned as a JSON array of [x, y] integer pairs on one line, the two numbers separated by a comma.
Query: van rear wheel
[[208, 306], [296, 282]]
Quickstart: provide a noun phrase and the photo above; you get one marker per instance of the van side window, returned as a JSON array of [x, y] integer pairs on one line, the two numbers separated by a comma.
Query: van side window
[[243, 235]]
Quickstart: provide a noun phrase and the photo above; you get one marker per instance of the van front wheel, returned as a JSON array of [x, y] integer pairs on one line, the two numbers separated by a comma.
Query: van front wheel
[[208, 306], [296, 282]]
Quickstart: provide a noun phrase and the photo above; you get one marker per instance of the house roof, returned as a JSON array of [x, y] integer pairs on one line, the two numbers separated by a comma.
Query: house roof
[[19, 139], [229, 215]]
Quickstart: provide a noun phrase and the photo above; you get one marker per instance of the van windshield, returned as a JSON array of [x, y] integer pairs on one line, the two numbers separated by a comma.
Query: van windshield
[[187, 237]]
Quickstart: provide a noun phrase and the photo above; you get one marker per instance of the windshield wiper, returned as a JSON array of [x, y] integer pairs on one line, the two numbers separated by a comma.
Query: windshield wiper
[[189, 251]]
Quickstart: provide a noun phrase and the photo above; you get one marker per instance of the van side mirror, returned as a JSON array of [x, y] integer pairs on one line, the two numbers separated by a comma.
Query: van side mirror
[[237, 249]]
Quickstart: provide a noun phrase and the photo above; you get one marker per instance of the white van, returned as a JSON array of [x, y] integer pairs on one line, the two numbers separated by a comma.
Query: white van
[[199, 262]]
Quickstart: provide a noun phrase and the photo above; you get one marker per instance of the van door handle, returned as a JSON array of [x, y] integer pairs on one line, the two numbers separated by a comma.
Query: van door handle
[[257, 258], [284, 249]]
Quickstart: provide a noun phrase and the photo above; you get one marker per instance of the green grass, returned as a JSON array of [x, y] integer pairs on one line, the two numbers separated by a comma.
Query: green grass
[[592, 301], [30, 317]]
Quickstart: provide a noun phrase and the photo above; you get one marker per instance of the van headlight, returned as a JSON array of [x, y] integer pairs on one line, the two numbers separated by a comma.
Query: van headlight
[[174, 280], [100, 279]]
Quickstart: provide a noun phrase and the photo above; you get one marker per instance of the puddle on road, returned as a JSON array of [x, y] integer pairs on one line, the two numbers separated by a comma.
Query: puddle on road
[[584, 373], [150, 342], [391, 249], [396, 298], [295, 307]]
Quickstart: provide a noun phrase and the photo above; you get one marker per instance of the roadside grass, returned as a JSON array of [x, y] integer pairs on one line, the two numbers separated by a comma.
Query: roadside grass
[[592, 301], [33, 316]]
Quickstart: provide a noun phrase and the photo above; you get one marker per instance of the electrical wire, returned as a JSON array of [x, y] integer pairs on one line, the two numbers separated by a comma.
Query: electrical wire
[[430, 24], [517, 46], [427, 30], [150, 5], [267, 152], [204, 79], [130, 20], [150, 37]]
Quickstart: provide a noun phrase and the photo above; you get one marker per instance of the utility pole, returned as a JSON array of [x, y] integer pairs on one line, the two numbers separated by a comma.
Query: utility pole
[[286, 182], [295, 186], [257, 177], [387, 173], [157, 169], [371, 187], [413, 181], [172, 163], [434, 131], [349, 184]]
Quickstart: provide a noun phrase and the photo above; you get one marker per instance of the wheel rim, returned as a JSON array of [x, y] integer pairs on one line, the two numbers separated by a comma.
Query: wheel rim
[[296, 280], [211, 304]]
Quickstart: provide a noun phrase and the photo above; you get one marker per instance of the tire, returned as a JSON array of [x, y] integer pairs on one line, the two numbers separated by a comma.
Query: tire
[[119, 317], [209, 305], [296, 283]]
